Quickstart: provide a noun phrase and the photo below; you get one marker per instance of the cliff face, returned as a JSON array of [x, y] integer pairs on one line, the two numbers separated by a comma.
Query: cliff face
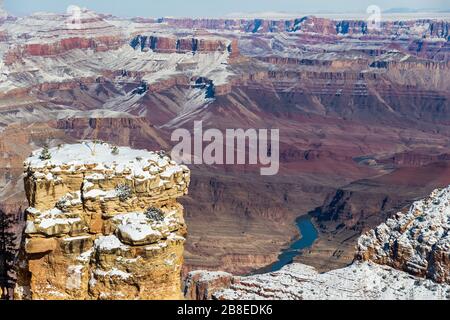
[[416, 241], [103, 223], [428, 27], [171, 44]]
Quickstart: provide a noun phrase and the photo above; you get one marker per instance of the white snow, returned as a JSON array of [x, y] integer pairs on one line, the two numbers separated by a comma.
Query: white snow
[[90, 153], [138, 227], [175, 237], [139, 232], [51, 222], [30, 227], [157, 246], [69, 239], [96, 193], [113, 273], [360, 281], [108, 243], [96, 176], [85, 256]]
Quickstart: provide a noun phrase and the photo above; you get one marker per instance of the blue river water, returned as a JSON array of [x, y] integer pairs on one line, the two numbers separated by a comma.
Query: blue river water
[[308, 234]]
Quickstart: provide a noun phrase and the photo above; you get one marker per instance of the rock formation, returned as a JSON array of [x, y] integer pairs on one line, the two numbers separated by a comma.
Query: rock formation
[[171, 44], [416, 241], [103, 223], [360, 281], [405, 258]]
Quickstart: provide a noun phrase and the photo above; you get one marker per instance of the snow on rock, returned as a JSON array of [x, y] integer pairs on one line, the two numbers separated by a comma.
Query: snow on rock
[[85, 256], [52, 222], [360, 281], [97, 155], [95, 209], [109, 243], [137, 228], [138, 233], [416, 241], [74, 277], [113, 273], [100, 162]]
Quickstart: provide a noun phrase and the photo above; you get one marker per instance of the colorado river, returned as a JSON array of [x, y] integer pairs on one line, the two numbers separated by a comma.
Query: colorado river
[[308, 234]]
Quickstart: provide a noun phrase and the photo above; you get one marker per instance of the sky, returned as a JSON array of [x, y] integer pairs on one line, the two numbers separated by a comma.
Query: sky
[[214, 8]]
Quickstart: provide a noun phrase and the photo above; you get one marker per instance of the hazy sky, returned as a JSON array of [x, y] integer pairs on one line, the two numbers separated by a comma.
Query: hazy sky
[[195, 8]]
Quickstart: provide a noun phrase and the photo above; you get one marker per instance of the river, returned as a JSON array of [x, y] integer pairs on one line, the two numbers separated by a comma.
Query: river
[[308, 234]]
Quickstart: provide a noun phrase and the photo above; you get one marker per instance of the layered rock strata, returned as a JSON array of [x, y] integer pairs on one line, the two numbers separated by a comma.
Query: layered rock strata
[[171, 44], [103, 223]]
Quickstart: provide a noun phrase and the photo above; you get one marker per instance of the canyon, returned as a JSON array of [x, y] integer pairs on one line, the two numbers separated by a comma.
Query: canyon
[[363, 118], [407, 257]]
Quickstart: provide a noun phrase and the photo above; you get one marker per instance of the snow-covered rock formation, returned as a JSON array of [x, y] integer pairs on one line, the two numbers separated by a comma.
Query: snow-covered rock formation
[[416, 241], [103, 223], [360, 281], [408, 257]]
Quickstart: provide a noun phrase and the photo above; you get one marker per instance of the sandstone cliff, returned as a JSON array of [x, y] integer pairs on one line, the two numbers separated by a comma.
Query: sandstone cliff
[[103, 223]]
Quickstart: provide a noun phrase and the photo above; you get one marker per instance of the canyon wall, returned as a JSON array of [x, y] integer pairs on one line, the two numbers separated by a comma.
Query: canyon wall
[[172, 44], [103, 223]]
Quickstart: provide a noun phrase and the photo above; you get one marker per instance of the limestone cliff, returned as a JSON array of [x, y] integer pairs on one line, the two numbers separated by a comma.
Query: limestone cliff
[[103, 223]]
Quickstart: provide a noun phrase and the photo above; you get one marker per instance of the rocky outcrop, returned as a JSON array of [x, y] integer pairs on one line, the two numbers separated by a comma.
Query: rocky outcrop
[[103, 223], [360, 281], [201, 285], [171, 44], [416, 241], [98, 44]]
